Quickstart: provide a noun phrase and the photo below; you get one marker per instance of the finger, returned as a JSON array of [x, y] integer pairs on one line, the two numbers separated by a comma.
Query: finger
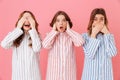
[[54, 26], [93, 25], [68, 25]]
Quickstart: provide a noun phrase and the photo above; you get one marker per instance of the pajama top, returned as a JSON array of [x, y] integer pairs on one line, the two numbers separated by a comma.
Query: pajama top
[[25, 59], [61, 57], [98, 55]]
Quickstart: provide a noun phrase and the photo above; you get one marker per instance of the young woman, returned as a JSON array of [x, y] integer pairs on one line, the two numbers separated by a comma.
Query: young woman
[[99, 48], [60, 42], [26, 44]]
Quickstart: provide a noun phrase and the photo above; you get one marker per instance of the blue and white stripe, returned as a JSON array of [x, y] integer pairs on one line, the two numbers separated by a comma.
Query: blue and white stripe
[[98, 53]]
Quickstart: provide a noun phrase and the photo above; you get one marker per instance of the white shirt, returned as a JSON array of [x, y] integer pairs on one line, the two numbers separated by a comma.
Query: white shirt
[[25, 59]]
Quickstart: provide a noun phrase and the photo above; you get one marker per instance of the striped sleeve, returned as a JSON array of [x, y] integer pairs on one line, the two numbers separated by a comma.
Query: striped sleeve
[[76, 37], [49, 39], [36, 41], [110, 45], [90, 46], [7, 42]]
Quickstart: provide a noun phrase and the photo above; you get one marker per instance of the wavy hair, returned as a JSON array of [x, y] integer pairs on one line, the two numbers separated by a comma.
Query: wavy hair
[[20, 38], [61, 13], [92, 16]]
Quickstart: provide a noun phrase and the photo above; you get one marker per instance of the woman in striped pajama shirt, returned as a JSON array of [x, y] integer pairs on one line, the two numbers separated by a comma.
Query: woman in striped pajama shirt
[[26, 45], [99, 48], [60, 42]]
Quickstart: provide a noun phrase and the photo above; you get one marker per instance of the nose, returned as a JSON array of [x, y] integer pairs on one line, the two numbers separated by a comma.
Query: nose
[[61, 22], [101, 21], [98, 21]]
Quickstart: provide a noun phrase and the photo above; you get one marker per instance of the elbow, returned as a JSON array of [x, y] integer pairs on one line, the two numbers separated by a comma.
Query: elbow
[[3, 45], [37, 50], [90, 56], [46, 46], [113, 54], [43, 45], [81, 41], [79, 44]]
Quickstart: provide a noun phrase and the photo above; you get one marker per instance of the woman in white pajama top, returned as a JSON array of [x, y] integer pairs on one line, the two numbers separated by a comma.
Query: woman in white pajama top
[[99, 48], [60, 42], [26, 44]]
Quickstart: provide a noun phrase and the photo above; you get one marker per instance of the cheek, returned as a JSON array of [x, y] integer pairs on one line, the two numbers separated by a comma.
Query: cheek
[[102, 22], [65, 24], [94, 22], [57, 24], [57, 27]]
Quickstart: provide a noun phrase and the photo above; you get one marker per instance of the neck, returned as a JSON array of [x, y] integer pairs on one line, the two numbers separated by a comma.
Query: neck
[[26, 32]]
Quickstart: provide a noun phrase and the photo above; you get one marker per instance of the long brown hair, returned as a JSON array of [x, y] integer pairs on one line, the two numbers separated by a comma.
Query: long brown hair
[[20, 38], [61, 13], [92, 16]]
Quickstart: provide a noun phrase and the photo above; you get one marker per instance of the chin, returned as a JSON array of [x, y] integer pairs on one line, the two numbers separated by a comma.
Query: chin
[[26, 29], [62, 31]]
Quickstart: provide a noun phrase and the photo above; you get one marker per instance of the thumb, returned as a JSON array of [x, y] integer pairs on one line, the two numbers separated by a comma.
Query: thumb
[[68, 25], [54, 26]]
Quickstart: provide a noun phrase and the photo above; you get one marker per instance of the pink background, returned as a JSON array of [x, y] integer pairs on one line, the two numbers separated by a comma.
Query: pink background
[[44, 10]]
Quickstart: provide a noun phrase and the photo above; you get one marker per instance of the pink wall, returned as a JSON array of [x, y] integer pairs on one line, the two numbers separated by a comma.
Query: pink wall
[[78, 10]]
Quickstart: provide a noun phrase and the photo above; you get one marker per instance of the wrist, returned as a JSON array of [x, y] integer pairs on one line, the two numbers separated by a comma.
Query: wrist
[[18, 26], [106, 32], [93, 36], [54, 29]]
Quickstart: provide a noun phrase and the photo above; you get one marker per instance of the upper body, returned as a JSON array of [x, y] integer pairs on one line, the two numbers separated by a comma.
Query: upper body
[[99, 47], [62, 25], [60, 42], [26, 44]]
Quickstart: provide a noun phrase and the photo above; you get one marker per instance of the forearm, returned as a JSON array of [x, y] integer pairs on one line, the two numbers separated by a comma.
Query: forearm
[[76, 37], [8, 40]]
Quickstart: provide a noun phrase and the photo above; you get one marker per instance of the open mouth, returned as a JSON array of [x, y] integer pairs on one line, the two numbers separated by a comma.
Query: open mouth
[[61, 27], [27, 25]]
